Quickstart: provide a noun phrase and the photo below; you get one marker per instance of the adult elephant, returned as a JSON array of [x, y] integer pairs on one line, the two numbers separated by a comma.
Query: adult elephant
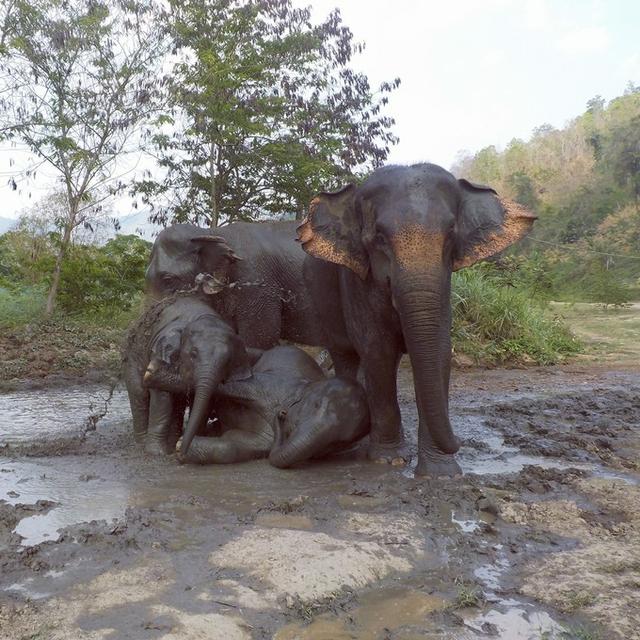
[[379, 271], [258, 267]]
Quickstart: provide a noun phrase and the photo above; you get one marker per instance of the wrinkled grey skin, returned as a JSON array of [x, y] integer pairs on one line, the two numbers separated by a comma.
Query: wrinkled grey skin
[[268, 299], [178, 353], [288, 397], [388, 248]]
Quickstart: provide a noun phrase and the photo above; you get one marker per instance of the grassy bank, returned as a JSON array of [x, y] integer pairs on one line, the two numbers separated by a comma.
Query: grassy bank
[[495, 322], [76, 346], [610, 334]]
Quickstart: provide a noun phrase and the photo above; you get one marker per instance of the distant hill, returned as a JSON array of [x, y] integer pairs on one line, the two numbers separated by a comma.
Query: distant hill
[[132, 224], [583, 182], [6, 224], [138, 224]]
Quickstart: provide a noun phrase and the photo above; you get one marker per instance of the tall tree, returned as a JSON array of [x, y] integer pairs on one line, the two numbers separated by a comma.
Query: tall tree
[[266, 111], [78, 78]]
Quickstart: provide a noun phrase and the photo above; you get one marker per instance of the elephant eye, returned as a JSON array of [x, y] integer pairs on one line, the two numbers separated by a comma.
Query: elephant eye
[[381, 238], [282, 414]]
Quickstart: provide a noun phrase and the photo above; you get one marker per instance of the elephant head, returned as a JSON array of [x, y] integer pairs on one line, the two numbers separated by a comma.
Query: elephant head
[[194, 361], [329, 412], [405, 229], [182, 251]]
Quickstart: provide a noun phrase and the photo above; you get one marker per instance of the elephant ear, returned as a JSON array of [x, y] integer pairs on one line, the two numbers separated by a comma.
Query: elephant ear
[[487, 224], [216, 253], [166, 347], [331, 231]]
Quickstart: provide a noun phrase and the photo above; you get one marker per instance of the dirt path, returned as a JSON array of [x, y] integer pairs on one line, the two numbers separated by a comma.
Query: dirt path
[[540, 539]]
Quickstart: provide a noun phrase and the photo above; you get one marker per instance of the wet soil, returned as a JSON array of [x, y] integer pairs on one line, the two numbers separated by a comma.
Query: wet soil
[[539, 539], [58, 352]]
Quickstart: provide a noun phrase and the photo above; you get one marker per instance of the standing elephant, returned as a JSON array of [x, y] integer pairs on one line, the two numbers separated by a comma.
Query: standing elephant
[[266, 299], [177, 353], [289, 397], [379, 271]]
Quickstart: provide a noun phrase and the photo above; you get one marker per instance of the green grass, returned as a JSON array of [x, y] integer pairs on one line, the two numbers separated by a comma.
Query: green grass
[[497, 323], [611, 334], [467, 595], [21, 307]]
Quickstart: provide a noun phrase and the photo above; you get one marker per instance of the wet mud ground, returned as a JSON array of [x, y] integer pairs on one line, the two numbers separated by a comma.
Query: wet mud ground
[[539, 539]]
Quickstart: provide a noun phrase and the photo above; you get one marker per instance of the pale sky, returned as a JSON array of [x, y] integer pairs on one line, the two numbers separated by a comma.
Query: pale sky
[[474, 72]]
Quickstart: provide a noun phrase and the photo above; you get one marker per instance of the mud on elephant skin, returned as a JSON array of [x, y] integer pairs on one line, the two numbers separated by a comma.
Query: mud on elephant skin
[[176, 354], [287, 410], [382, 254]]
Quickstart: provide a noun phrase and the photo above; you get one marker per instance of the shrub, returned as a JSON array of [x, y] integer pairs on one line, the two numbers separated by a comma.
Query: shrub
[[23, 306], [497, 322], [103, 280]]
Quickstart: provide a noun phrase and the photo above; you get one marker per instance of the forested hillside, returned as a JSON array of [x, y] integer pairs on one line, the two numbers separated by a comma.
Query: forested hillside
[[583, 181]]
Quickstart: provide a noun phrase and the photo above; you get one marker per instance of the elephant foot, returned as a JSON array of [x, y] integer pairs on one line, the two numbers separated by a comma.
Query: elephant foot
[[394, 454], [438, 465], [155, 447]]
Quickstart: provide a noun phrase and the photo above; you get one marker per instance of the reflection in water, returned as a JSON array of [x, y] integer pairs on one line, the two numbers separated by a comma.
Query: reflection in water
[[27, 482], [48, 415]]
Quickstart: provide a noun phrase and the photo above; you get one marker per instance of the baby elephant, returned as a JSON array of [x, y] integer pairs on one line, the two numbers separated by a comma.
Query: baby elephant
[[178, 353], [289, 397]]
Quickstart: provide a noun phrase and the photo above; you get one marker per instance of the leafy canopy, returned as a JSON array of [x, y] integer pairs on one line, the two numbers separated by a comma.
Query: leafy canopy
[[265, 111]]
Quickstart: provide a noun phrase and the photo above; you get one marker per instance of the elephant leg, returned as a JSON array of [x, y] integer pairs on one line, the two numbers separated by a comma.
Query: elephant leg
[[177, 421], [161, 417], [234, 445], [386, 439], [138, 401]]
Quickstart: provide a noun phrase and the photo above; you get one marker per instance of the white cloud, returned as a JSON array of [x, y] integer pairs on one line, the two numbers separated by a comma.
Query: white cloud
[[536, 15], [584, 40]]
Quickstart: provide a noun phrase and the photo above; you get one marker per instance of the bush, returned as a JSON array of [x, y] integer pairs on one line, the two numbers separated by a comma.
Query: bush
[[497, 322], [104, 280], [18, 307]]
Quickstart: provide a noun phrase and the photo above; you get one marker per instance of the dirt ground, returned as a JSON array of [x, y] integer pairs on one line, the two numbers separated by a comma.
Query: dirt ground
[[540, 539]]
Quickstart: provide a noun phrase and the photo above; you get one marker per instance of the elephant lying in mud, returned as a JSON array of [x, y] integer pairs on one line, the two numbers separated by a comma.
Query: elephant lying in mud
[[195, 350], [286, 410], [193, 357]]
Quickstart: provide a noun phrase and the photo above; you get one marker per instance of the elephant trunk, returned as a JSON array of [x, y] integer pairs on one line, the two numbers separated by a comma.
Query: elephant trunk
[[305, 442], [207, 383], [423, 303]]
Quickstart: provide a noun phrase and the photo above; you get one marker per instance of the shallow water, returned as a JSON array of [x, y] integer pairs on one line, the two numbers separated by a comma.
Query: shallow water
[[84, 490], [76, 499], [49, 414]]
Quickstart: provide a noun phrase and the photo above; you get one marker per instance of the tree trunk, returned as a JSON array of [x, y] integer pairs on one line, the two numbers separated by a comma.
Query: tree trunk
[[55, 281], [212, 187]]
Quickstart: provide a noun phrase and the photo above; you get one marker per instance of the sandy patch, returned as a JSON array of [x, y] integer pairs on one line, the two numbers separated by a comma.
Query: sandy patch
[[306, 564]]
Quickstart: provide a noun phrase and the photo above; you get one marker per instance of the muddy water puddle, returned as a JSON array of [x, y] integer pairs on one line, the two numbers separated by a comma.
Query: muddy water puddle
[[77, 495], [338, 549], [49, 414]]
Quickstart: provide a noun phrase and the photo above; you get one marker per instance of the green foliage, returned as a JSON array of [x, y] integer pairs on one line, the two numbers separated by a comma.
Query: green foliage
[[584, 183], [495, 321], [265, 111], [21, 306], [77, 78], [103, 280], [95, 280]]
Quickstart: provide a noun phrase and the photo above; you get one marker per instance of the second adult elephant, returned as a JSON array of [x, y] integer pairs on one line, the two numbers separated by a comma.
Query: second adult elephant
[[258, 267], [388, 248]]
